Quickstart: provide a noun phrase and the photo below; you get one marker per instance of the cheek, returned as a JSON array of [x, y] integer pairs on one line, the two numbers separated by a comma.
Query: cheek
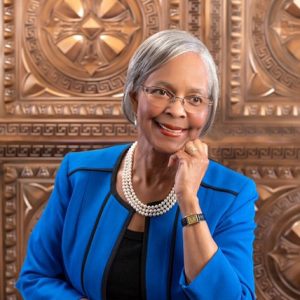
[[147, 111], [199, 121], [197, 124]]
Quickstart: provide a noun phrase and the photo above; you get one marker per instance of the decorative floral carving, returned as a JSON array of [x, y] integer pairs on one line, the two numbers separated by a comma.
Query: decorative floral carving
[[276, 42], [286, 255], [91, 34], [76, 47], [288, 30], [277, 247]]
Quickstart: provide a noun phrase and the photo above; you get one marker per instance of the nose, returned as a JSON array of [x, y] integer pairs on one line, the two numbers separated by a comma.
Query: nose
[[175, 108], [180, 99]]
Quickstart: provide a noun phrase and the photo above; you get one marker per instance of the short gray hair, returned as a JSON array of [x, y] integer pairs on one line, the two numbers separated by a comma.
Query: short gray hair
[[156, 51]]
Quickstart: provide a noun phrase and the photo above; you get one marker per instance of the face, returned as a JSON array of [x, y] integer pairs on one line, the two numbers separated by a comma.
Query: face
[[167, 129]]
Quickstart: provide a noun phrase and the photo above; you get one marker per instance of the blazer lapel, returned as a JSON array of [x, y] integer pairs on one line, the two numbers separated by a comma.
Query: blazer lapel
[[160, 250], [108, 233]]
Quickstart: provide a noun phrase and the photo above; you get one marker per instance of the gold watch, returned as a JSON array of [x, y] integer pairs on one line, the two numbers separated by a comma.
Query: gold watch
[[192, 219]]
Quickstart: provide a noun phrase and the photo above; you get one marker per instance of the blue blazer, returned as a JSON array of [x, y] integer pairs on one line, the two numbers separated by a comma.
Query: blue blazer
[[75, 241]]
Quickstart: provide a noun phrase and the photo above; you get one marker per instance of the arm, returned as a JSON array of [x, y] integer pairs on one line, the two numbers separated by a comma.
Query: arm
[[228, 272], [42, 275], [218, 266]]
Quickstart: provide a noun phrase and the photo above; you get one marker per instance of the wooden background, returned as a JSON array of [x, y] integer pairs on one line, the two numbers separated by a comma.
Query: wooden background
[[63, 65]]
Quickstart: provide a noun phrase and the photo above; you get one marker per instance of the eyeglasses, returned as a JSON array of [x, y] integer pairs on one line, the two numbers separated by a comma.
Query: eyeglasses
[[162, 97]]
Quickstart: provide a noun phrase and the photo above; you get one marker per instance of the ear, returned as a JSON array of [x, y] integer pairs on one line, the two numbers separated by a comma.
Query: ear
[[134, 101]]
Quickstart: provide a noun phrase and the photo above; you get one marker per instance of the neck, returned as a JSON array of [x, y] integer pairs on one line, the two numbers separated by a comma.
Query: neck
[[150, 166]]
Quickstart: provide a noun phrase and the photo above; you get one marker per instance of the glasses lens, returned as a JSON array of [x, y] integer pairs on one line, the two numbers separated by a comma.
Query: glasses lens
[[158, 96], [196, 103], [161, 97]]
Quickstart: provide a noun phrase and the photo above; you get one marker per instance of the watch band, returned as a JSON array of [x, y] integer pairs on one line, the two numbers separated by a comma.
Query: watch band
[[192, 219]]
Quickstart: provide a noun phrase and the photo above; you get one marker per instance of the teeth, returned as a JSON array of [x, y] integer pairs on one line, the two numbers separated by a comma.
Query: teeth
[[171, 130]]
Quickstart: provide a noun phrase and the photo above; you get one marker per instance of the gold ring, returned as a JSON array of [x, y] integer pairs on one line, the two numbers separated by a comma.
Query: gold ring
[[192, 150]]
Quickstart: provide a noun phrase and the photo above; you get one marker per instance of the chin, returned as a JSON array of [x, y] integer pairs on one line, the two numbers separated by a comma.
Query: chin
[[168, 148]]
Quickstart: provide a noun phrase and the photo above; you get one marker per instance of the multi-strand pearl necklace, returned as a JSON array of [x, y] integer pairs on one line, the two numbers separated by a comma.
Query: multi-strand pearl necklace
[[138, 206]]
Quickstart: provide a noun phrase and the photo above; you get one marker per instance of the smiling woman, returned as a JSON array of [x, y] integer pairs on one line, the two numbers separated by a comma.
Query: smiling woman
[[161, 117], [156, 219], [159, 49]]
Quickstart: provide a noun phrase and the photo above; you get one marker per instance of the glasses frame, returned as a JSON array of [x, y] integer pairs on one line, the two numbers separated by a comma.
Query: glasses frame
[[173, 98]]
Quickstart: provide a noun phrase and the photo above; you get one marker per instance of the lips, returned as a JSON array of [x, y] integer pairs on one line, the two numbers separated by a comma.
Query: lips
[[170, 130]]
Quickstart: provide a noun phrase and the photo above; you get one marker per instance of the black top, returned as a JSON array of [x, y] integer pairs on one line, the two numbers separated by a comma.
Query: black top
[[124, 278]]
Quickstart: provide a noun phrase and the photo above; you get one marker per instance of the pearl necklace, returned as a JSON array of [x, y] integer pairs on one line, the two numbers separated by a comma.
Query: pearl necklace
[[140, 207]]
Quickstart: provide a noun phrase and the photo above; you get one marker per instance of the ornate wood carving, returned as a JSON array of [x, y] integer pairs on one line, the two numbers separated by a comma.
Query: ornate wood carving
[[264, 79], [26, 188], [114, 128], [73, 56], [277, 247], [78, 48], [64, 65]]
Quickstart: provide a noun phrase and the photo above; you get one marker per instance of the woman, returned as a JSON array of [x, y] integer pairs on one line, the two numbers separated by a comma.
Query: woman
[[106, 233]]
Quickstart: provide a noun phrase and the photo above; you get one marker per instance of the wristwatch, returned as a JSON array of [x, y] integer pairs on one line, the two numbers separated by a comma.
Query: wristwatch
[[192, 219]]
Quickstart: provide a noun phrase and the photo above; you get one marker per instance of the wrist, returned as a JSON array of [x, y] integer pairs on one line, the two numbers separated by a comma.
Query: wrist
[[189, 206], [192, 219]]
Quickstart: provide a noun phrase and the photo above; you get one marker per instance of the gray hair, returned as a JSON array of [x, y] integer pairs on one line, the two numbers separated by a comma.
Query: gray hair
[[156, 51]]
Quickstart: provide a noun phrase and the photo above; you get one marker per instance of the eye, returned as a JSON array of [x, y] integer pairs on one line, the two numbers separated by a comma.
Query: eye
[[195, 100], [156, 91]]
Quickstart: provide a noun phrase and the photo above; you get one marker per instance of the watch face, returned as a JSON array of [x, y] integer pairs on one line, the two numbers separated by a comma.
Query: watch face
[[192, 219]]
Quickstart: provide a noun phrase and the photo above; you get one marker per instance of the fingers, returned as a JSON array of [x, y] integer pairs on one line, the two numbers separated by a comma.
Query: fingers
[[183, 158], [196, 148], [178, 157], [192, 149], [172, 160], [202, 146]]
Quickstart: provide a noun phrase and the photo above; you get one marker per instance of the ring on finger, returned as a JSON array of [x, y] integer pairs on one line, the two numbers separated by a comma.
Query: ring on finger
[[192, 149]]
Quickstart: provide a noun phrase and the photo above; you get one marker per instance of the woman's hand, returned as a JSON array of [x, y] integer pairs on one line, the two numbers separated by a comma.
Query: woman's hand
[[192, 163]]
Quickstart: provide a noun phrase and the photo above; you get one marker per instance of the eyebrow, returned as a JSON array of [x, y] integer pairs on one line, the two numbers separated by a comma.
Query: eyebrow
[[171, 87]]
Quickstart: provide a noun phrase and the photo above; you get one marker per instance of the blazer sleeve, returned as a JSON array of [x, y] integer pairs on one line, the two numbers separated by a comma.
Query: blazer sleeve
[[42, 275], [229, 274]]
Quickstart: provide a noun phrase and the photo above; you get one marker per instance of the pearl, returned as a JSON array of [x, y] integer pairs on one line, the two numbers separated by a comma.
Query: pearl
[[132, 199]]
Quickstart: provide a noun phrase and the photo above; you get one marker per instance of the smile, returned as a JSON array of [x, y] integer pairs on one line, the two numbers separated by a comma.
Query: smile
[[170, 130]]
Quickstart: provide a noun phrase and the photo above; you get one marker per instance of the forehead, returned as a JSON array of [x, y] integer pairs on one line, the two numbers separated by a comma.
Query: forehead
[[187, 71]]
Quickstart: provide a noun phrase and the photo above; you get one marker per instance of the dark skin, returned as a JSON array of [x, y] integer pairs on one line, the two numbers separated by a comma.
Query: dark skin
[[148, 189], [179, 158]]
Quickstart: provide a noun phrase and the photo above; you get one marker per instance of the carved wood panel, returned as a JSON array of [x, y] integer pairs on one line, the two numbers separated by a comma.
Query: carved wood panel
[[63, 66]]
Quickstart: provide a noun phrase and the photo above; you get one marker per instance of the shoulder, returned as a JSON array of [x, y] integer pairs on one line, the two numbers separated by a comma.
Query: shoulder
[[225, 180], [101, 159]]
